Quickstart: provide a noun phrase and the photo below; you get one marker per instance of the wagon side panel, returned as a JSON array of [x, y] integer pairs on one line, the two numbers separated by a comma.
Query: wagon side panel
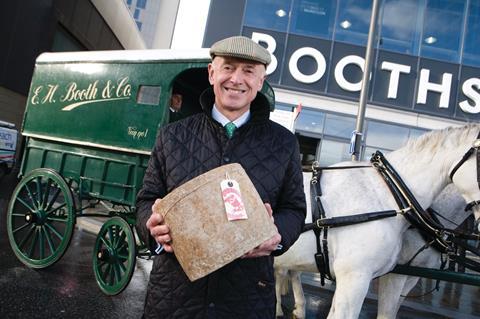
[[112, 105], [96, 122]]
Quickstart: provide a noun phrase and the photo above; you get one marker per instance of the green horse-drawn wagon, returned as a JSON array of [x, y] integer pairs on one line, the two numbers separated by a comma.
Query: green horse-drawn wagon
[[90, 123]]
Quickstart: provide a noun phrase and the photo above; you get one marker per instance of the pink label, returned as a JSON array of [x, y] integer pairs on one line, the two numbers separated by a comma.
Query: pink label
[[232, 198]]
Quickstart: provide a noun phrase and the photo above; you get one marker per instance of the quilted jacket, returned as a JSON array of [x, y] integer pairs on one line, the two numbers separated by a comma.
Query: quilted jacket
[[185, 149]]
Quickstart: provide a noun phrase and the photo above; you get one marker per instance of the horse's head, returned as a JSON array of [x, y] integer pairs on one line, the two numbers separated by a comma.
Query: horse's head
[[465, 174]]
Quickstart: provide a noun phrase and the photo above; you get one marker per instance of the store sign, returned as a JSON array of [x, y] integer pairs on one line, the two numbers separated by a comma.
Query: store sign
[[399, 81]]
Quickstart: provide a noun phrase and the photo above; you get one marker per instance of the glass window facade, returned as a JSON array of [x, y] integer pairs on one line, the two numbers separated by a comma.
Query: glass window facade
[[308, 150], [445, 30], [313, 17], [353, 21], [141, 4], [401, 26], [325, 137], [471, 51], [310, 121], [369, 151], [386, 136], [442, 30], [268, 14], [339, 125], [334, 152]]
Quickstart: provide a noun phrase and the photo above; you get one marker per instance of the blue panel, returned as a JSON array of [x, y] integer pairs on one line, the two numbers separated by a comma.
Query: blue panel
[[136, 14], [401, 23], [471, 49], [313, 18], [268, 14], [141, 4], [353, 21], [442, 30]]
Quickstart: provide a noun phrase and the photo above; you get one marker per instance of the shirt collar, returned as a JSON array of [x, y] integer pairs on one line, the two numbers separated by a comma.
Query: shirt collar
[[222, 119]]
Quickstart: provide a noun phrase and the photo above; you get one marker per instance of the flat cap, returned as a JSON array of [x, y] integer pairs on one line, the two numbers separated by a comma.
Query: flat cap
[[242, 48]]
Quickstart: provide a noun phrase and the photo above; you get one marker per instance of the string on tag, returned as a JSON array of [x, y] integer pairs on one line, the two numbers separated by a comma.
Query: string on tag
[[227, 178]]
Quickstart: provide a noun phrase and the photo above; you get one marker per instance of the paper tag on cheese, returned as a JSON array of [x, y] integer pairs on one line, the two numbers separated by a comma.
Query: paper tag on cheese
[[232, 198]]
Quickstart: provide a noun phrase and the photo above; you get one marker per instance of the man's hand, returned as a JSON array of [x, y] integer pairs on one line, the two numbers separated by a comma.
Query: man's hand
[[159, 231], [266, 248]]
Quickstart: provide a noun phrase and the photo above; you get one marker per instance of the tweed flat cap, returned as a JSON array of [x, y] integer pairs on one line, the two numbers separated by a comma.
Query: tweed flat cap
[[242, 48]]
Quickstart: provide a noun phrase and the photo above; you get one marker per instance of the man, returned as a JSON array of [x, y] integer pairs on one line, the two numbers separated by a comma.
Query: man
[[176, 101], [190, 147], [175, 105]]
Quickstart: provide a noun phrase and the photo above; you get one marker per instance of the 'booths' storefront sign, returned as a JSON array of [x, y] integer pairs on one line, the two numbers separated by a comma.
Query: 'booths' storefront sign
[[397, 80]]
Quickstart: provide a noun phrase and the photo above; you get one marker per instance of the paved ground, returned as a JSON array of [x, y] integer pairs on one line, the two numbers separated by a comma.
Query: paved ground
[[450, 301], [68, 289]]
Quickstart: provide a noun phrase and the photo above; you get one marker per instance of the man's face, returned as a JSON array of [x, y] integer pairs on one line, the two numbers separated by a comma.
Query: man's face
[[176, 101], [235, 83]]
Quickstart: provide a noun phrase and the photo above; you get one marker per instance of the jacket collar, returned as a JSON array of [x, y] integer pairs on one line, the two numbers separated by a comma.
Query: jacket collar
[[259, 108]]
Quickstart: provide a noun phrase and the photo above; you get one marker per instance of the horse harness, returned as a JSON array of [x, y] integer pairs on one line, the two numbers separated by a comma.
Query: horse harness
[[430, 228], [474, 148]]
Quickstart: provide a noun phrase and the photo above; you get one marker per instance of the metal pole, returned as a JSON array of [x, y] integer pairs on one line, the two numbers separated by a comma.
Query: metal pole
[[357, 134]]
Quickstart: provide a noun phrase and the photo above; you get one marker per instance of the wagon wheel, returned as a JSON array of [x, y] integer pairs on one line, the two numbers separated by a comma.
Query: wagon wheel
[[40, 218], [114, 256]]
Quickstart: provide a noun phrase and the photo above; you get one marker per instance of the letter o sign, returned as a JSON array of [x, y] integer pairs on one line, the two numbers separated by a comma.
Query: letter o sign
[[340, 78], [316, 55]]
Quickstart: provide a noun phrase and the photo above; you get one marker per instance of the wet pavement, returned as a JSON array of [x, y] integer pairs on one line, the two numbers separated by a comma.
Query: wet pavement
[[451, 301], [68, 288]]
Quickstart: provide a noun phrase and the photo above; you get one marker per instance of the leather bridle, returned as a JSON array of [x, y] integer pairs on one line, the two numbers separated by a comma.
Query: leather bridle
[[435, 234], [474, 149]]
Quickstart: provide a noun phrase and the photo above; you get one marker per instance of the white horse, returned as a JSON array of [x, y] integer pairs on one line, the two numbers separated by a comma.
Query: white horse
[[364, 251], [392, 287], [289, 266]]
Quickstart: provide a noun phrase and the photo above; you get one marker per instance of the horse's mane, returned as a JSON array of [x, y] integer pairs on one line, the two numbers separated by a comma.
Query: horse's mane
[[439, 140]]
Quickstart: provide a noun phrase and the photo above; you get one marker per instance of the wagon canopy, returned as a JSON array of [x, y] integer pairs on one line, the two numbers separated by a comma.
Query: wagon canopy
[[114, 99], [109, 99]]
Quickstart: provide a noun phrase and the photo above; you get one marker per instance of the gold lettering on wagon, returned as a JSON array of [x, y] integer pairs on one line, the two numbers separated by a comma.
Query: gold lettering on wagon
[[75, 95], [136, 133]]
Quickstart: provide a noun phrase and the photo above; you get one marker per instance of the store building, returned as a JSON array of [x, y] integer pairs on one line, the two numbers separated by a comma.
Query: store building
[[30, 27], [426, 69], [145, 13]]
